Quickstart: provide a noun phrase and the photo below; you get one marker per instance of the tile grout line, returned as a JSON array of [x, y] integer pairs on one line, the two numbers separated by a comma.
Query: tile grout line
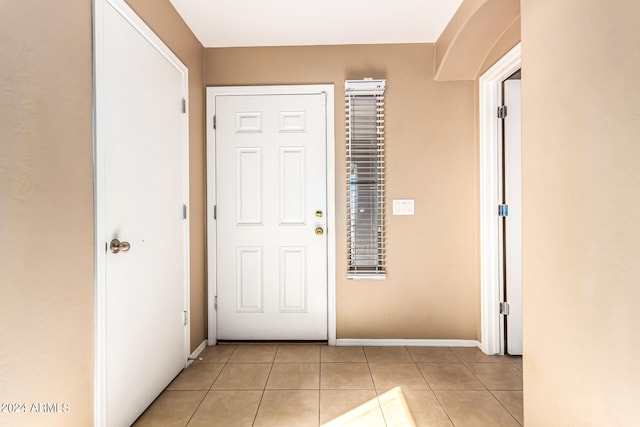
[[426, 381], [466, 365], [505, 408], [264, 388], [455, 355], [443, 408], [375, 390], [486, 388], [206, 392], [319, 387], [199, 405]]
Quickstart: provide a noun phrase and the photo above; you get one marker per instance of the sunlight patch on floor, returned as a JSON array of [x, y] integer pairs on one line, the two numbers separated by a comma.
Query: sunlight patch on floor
[[393, 405]]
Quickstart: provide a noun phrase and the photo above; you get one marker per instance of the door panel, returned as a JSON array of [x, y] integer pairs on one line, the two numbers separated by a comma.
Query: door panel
[[293, 280], [141, 133], [513, 231], [271, 175], [249, 186], [249, 285], [292, 185]]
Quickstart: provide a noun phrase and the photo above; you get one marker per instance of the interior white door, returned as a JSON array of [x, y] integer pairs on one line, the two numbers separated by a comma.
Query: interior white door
[[513, 225], [140, 137], [271, 217]]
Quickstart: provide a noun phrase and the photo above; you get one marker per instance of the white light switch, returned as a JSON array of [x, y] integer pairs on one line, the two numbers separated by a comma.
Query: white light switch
[[403, 207]]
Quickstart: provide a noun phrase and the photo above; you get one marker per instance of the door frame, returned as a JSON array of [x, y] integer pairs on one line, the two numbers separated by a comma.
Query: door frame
[[490, 96], [212, 92], [100, 185], [512, 238]]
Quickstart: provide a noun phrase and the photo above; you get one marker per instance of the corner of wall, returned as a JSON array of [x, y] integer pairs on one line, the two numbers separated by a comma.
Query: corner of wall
[[464, 45]]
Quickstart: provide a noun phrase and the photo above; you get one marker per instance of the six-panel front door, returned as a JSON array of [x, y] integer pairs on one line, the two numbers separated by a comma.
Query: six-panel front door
[[271, 217]]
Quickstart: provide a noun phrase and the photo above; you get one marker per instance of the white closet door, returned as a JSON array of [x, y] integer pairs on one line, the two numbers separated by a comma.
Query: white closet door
[[141, 174], [513, 197]]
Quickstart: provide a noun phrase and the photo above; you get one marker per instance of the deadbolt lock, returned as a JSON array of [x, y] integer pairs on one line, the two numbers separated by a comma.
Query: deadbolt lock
[[318, 214]]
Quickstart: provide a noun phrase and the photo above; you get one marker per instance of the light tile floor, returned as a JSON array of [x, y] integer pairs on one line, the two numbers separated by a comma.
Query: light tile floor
[[312, 384]]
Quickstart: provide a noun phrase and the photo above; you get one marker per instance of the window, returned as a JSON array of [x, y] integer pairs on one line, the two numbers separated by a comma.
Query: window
[[365, 178]]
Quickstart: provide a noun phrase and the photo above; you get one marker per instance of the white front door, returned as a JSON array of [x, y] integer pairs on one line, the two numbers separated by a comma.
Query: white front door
[[513, 222], [271, 217], [141, 181]]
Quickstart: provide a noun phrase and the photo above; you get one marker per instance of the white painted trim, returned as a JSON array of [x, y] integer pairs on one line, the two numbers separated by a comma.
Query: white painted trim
[[212, 237], [490, 132], [407, 343], [197, 352], [328, 90], [331, 217], [99, 362], [99, 188]]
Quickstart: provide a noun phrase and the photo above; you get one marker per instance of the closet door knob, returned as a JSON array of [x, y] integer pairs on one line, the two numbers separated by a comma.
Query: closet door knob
[[117, 246]]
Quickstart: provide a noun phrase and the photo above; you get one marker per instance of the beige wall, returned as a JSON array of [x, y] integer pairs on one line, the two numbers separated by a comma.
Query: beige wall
[[507, 40], [432, 283], [46, 209], [581, 182], [46, 202]]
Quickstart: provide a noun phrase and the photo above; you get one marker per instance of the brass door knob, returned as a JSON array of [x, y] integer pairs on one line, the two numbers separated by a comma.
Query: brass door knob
[[319, 231], [117, 246]]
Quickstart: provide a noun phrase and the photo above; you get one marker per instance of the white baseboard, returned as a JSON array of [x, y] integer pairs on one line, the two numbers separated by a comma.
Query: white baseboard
[[407, 342], [197, 352]]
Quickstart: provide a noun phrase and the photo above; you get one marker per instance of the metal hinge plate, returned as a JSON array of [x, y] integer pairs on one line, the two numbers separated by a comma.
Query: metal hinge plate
[[215, 302], [504, 308], [184, 211], [214, 122], [184, 105], [186, 317], [503, 210], [215, 212], [502, 112]]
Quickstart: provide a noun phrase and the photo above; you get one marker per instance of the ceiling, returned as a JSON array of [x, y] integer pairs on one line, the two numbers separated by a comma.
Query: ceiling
[[233, 23]]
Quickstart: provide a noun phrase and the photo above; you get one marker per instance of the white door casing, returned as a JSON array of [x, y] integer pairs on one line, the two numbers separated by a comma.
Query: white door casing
[[513, 222], [273, 163], [141, 149], [490, 90]]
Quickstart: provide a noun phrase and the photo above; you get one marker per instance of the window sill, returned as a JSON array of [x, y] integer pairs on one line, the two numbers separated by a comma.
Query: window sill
[[365, 276]]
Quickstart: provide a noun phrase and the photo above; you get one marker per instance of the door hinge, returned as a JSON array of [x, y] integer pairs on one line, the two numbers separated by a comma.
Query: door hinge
[[215, 212], [502, 112], [214, 122], [503, 210], [184, 105], [186, 318], [184, 211], [215, 302], [504, 308]]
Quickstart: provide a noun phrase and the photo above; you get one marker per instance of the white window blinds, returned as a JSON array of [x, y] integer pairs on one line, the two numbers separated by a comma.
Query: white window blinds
[[365, 177]]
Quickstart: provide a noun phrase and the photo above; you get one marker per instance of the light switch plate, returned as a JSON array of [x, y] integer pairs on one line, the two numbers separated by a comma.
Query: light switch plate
[[403, 207]]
